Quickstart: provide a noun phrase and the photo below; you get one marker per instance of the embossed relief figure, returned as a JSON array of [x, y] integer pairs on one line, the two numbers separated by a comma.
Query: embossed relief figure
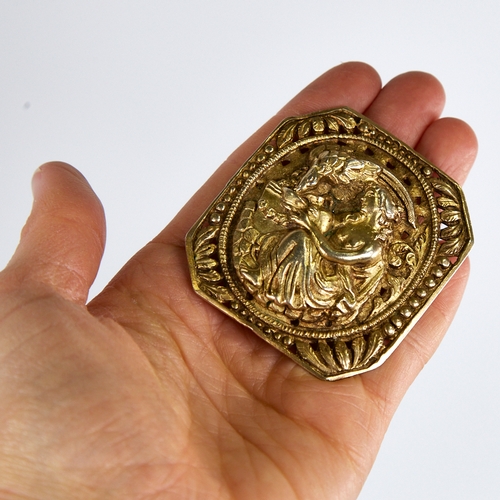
[[327, 258]]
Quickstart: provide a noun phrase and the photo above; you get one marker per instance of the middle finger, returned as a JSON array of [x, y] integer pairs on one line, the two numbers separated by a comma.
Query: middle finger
[[407, 105]]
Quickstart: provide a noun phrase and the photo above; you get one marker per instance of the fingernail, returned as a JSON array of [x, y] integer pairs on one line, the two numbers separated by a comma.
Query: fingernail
[[36, 182]]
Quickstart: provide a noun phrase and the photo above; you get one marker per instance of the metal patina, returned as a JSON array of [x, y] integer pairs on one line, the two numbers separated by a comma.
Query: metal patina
[[330, 242]]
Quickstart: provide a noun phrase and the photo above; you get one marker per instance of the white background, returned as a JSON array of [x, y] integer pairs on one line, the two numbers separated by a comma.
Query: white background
[[148, 98]]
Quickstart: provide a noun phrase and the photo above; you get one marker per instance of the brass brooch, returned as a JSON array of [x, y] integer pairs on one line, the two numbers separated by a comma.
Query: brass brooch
[[330, 242]]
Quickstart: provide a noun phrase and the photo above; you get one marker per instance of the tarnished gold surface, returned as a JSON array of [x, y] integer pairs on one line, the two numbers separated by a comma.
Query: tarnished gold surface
[[330, 242]]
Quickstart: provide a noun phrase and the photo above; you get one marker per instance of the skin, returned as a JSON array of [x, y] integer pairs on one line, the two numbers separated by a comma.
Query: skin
[[148, 392]]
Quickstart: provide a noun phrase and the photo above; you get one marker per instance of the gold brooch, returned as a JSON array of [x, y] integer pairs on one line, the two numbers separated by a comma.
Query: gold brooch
[[330, 242]]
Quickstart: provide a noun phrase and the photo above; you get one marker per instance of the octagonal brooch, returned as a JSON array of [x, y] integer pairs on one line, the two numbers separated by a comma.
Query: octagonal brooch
[[330, 242]]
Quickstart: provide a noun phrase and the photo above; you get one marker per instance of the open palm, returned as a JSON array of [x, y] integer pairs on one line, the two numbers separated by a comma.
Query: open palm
[[147, 392]]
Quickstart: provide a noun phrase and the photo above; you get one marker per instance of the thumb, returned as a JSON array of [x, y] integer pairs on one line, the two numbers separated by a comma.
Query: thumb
[[63, 240]]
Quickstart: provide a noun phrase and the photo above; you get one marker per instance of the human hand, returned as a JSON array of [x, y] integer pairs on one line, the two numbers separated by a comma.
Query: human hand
[[148, 391]]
